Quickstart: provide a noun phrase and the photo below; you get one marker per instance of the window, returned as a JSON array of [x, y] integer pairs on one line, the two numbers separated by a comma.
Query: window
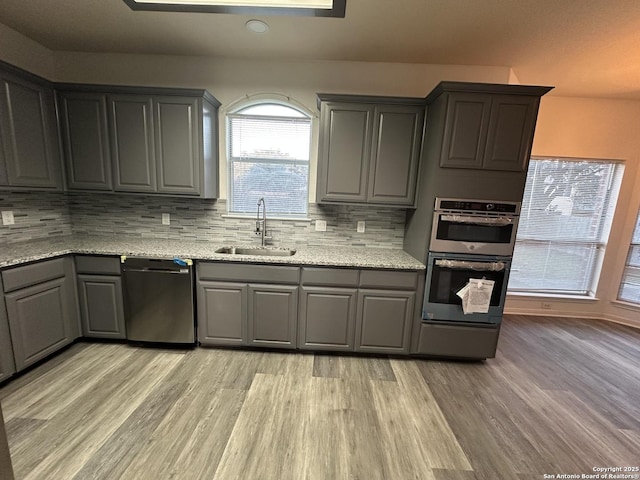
[[566, 216], [630, 286], [268, 152]]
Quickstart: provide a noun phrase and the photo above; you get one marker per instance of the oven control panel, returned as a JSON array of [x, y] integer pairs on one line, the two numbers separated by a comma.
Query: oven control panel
[[487, 206]]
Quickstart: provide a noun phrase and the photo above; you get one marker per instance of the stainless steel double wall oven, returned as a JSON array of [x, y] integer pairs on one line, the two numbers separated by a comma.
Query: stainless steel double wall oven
[[469, 239]]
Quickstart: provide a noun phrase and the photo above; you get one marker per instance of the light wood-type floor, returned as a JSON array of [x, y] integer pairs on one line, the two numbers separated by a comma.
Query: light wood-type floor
[[562, 396]]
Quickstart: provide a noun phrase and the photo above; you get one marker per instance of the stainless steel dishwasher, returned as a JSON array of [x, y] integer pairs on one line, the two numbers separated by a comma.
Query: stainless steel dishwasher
[[159, 301]]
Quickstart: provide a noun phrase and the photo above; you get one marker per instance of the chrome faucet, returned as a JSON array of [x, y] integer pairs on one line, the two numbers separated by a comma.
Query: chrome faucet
[[261, 225]]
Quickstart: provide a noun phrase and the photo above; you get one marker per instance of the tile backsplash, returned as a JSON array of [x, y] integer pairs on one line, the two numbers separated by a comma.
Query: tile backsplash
[[197, 219], [44, 214], [36, 215]]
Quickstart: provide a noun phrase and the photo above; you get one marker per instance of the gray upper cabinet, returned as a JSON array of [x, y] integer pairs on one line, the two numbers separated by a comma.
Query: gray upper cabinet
[[510, 133], [465, 132], [160, 140], [345, 150], [487, 127], [29, 133], [177, 145], [83, 122], [369, 149], [395, 154], [132, 143]]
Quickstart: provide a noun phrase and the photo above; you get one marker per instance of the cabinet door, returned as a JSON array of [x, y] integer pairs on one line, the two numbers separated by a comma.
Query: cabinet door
[[384, 321], [465, 132], [273, 315], [132, 145], [29, 134], [85, 138], [7, 366], [222, 313], [39, 320], [397, 134], [345, 148], [4, 180], [327, 318], [511, 127], [177, 144], [101, 306]]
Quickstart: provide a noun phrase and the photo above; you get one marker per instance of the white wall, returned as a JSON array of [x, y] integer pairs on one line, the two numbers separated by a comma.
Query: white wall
[[23, 52], [594, 128]]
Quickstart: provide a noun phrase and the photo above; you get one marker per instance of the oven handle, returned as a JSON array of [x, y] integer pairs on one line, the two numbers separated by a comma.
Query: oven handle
[[477, 220], [477, 266]]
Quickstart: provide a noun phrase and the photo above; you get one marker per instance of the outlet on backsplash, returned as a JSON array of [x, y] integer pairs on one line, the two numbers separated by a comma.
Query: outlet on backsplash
[[7, 217], [166, 219], [360, 227], [321, 225]]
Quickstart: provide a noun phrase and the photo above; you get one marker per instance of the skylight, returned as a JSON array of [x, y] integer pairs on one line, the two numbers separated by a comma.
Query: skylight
[[317, 8]]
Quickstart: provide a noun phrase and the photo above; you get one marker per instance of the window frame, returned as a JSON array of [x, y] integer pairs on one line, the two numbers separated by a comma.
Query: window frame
[[635, 232], [235, 111], [600, 246]]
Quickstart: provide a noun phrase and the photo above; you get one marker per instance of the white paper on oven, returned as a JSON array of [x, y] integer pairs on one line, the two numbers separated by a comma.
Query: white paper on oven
[[476, 295]]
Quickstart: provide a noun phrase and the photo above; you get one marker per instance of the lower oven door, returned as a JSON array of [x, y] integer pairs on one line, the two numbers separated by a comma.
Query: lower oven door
[[448, 273]]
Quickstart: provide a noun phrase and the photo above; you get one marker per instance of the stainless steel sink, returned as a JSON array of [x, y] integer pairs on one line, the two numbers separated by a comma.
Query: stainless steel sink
[[265, 252]]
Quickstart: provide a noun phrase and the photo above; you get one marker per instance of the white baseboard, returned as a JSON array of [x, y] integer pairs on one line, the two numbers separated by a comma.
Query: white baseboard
[[536, 312]]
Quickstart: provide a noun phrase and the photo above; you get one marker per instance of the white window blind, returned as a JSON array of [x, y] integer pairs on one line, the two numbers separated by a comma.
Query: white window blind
[[566, 216], [269, 147], [630, 286]]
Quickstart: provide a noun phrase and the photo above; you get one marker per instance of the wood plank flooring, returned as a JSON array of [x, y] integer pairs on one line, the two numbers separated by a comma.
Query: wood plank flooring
[[561, 397]]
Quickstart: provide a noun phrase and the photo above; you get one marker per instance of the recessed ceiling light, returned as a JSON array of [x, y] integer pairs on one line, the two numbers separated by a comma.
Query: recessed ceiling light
[[315, 8], [257, 26]]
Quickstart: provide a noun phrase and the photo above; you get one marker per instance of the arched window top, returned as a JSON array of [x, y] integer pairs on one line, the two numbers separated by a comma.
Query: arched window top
[[268, 109]]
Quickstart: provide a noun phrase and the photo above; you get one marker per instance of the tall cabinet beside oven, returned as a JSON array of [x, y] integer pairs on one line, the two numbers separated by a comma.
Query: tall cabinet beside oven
[[477, 145]]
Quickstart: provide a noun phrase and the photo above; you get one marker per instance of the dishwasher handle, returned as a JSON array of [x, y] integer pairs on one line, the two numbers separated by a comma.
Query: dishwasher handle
[[182, 271]]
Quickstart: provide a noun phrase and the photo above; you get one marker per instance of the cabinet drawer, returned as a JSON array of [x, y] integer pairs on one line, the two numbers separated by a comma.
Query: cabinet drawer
[[388, 279], [457, 341], [335, 277], [236, 272], [32, 274], [98, 265]]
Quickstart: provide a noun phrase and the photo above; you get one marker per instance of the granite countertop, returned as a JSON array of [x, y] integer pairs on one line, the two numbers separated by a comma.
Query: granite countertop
[[358, 257]]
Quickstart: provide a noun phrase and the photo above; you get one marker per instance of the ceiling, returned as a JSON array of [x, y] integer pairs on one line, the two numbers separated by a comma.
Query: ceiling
[[583, 47]]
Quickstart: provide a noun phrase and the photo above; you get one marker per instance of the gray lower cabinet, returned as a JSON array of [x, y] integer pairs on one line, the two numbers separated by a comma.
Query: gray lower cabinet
[[327, 318], [101, 306], [100, 296], [28, 132], [42, 311], [83, 122], [369, 149], [273, 315], [222, 313], [383, 322], [7, 365]]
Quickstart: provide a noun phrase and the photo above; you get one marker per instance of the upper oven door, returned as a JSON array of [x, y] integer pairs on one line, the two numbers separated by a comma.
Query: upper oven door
[[475, 234]]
